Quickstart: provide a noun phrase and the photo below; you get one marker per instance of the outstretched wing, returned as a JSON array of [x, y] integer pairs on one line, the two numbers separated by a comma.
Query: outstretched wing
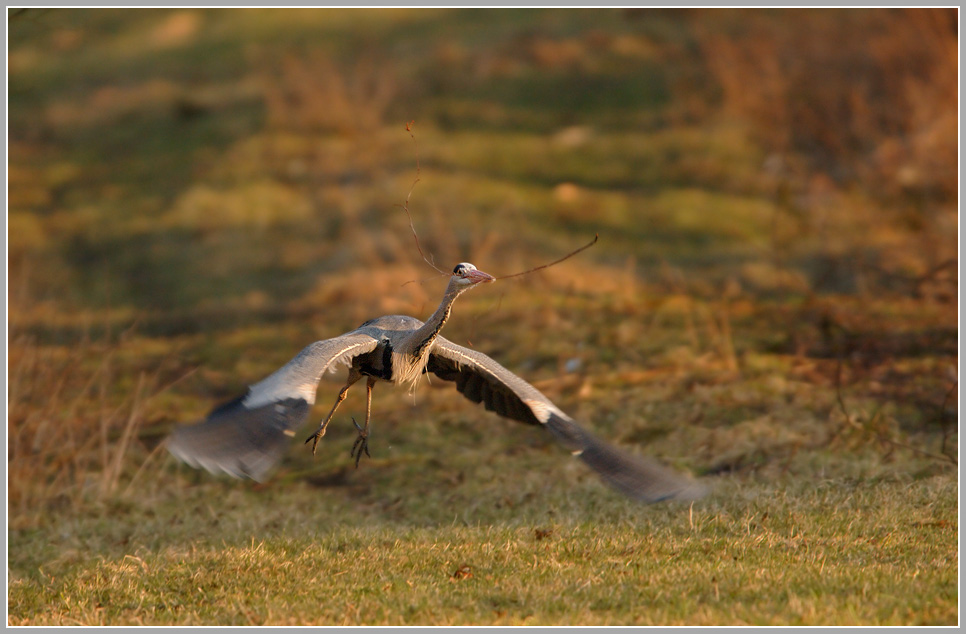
[[249, 435], [483, 380]]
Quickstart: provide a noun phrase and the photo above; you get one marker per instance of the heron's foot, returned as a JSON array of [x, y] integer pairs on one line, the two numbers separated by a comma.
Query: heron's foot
[[361, 444], [315, 438]]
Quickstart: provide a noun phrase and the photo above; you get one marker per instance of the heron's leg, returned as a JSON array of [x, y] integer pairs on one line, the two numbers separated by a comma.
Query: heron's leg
[[353, 377], [362, 442]]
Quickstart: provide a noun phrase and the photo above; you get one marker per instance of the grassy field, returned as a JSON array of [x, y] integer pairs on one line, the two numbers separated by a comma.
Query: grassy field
[[195, 195]]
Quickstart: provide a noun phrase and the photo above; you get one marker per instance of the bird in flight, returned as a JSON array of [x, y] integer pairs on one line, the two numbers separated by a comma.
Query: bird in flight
[[248, 436]]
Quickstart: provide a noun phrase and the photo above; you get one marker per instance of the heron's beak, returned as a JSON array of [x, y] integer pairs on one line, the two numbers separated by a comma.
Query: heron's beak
[[479, 276]]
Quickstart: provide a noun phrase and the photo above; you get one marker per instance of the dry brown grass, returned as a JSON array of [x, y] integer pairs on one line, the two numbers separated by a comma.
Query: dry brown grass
[[67, 437], [310, 93], [80, 433], [863, 95]]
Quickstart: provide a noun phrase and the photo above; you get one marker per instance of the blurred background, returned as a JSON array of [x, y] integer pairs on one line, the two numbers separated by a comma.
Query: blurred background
[[194, 195]]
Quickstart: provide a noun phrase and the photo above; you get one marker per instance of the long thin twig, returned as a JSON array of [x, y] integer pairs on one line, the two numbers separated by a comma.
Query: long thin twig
[[405, 206], [528, 271], [544, 266]]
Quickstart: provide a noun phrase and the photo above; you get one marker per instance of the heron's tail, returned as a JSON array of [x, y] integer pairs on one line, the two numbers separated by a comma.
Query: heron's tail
[[640, 478]]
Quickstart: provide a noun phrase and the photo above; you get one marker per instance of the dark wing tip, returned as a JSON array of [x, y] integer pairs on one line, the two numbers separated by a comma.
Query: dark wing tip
[[242, 442], [640, 478]]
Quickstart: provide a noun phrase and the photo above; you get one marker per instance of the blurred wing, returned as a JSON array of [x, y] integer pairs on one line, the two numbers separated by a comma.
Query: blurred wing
[[248, 436], [483, 380], [242, 442]]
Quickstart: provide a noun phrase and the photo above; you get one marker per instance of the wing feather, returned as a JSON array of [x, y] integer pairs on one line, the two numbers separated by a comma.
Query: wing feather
[[299, 378], [481, 379], [248, 436]]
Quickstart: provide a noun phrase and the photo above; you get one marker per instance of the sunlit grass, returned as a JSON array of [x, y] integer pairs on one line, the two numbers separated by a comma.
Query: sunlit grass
[[302, 556]]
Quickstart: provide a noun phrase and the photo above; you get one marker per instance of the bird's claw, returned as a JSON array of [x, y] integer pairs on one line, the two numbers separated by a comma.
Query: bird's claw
[[361, 444], [316, 437]]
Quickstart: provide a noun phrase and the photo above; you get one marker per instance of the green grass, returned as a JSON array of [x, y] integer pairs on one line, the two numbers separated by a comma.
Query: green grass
[[832, 552], [196, 195]]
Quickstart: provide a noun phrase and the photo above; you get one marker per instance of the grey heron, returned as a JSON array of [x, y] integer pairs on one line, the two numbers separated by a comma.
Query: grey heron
[[248, 436]]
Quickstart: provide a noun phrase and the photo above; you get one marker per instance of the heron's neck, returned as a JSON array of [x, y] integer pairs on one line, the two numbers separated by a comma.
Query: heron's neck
[[423, 336], [410, 358]]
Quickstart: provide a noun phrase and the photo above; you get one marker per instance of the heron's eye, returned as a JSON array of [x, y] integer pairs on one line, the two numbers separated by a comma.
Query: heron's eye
[[459, 269]]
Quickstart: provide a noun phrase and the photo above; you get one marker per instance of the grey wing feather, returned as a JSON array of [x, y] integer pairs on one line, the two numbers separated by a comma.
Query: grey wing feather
[[481, 379], [242, 442], [248, 436], [638, 477]]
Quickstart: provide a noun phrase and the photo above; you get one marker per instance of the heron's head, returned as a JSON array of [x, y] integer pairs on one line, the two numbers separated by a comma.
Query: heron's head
[[465, 276]]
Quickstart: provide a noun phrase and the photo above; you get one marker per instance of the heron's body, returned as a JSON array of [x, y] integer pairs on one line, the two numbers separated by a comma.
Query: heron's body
[[249, 435]]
